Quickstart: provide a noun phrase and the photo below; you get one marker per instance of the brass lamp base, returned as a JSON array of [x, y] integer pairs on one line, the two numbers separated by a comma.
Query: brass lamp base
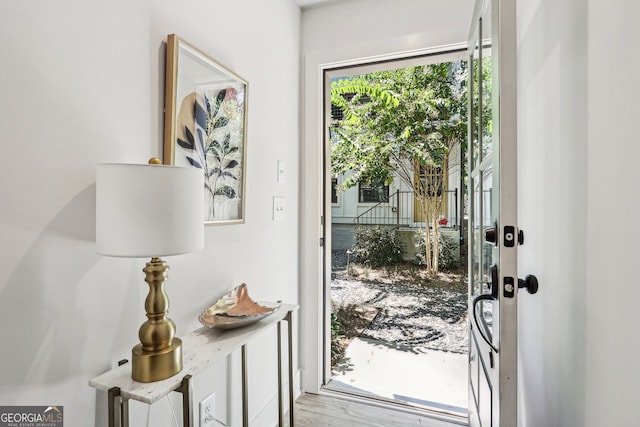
[[159, 354], [149, 366]]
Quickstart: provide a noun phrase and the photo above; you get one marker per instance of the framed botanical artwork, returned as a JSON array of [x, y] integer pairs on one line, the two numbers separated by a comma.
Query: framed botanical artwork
[[205, 127]]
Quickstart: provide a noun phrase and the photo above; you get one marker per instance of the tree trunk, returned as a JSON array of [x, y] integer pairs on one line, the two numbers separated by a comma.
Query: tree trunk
[[427, 237], [436, 242]]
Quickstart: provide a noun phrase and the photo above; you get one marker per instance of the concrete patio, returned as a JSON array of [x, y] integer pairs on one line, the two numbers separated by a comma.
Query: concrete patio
[[429, 379]]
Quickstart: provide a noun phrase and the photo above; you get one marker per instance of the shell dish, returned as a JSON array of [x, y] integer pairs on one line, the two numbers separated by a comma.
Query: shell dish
[[234, 309]]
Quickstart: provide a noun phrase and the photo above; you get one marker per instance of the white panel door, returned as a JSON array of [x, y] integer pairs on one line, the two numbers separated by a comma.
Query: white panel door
[[493, 233]]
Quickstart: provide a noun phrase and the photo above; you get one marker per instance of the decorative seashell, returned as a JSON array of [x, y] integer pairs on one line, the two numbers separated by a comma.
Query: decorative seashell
[[234, 309]]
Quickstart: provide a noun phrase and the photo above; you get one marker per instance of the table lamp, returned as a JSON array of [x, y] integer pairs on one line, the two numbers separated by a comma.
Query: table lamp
[[151, 211]]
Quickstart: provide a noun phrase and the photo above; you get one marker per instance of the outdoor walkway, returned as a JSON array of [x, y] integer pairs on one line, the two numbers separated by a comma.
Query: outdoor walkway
[[431, 379], [415, 348]]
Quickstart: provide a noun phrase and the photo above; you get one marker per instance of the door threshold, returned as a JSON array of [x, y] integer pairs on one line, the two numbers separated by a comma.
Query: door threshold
[[453, 417]]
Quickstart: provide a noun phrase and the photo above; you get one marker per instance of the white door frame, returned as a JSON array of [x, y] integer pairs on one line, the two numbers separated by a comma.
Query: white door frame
[[344, 68], [312, 265]]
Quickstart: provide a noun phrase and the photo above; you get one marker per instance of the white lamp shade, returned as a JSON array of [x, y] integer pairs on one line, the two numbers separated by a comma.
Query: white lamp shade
[[148, 210]]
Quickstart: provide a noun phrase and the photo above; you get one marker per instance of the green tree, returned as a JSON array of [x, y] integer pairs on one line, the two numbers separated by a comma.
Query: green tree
[[402, 123]]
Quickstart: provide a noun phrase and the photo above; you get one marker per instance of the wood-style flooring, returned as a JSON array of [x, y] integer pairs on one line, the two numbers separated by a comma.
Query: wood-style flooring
[[329, 411]]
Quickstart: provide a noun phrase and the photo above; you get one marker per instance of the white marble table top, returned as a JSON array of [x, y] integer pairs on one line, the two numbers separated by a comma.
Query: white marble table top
[[200, 349]]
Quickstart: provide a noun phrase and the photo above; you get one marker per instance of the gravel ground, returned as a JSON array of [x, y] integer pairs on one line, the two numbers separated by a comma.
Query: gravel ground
[[411, 317]]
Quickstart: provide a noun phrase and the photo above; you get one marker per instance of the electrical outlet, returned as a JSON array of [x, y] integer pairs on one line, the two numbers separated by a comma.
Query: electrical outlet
[[208, 411]]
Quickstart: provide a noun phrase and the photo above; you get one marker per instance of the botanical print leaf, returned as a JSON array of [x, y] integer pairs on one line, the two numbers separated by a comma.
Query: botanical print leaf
[[189, 144], [226, 191], [194, 163], [220, 122], [200, 115], [218, 127]]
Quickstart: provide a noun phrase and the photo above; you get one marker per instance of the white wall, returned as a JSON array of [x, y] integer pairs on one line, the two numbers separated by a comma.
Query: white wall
[[81, 83], [578, 206], [552, 174], [344, 32], [611, 313]]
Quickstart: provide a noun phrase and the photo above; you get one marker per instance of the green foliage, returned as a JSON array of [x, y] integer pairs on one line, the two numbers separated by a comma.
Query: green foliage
[[487, 103], [398, 122], [446, 250], [360, 90], [414, 114], [337, 338], [376, 246]]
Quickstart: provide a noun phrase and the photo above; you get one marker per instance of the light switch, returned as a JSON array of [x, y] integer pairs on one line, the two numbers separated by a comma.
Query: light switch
[[278, 208], [281, 170]]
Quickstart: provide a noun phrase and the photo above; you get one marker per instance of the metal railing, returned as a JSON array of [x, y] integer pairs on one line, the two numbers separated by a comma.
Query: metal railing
[[398, 211]]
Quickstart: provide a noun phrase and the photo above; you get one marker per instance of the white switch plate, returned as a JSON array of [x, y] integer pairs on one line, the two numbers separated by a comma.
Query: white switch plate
[[281, 170], [278, 208]]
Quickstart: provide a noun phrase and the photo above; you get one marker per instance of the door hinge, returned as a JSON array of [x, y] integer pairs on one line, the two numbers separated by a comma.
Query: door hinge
[[322, 242]]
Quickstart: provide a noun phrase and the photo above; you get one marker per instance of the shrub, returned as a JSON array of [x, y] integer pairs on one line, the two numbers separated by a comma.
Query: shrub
[[337, 338], [377, 246], [447, 247]]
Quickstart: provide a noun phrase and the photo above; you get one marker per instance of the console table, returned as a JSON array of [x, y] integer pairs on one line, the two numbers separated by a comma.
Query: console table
[[200, 349]]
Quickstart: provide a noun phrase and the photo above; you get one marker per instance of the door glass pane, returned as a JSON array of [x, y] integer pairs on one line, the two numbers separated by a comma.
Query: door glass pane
[[487, 222], [474, 73], [483, 184], [487, 253], [483, 253], [486, 119], [481, 220], [476, 229], [485, 75], [485, 312]]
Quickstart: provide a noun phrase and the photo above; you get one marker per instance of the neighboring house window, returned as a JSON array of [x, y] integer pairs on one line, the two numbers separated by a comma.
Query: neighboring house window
[[373, 193], [334, 190], [337, 113]]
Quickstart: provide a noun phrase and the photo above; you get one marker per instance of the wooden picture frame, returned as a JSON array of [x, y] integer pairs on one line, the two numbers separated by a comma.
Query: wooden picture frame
[[205, 127]]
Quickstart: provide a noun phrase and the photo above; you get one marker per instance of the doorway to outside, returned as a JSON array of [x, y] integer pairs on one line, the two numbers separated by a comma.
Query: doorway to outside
[[397, 328]]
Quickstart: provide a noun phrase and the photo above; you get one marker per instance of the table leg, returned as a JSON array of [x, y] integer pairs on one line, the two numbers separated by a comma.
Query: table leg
[[245, 388], [280, 411], [118, 409], [124, 404], [291, 397], [186, 388]]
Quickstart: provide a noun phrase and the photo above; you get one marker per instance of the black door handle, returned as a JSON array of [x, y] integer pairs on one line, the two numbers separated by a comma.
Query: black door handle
[[494, 281], [481, 331], [492, 296], [530, 283]]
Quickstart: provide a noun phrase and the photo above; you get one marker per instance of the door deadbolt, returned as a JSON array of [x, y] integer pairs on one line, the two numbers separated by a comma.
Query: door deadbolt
[[491, 234]]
